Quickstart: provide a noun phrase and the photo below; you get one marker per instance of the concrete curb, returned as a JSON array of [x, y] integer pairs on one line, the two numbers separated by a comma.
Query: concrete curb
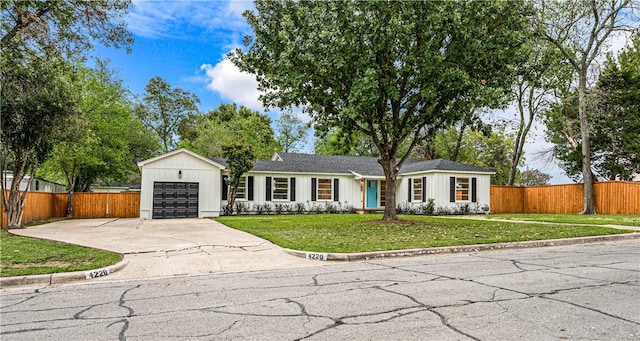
[[466, 248], [56, 278]]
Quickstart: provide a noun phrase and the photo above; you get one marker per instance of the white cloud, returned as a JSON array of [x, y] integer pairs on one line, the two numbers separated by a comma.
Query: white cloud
[[230, 83]]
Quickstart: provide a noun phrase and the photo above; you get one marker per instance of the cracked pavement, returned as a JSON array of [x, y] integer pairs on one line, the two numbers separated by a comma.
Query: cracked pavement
[[586, 292]]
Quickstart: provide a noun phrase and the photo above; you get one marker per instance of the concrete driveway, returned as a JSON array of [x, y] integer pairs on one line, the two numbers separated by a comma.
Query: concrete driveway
[[172, 247]]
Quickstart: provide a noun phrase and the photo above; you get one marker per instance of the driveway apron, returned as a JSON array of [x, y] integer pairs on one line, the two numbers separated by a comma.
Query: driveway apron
[[169, 247]]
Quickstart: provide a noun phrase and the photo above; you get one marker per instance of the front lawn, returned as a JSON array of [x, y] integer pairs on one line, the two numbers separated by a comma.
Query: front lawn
[[345, 233], [591, 219], [21, 256]]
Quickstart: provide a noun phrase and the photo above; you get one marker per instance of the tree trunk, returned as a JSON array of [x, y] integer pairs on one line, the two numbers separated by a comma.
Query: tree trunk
[[70, 203], [14, 204], [456, 150], [72, 180], [390, 173], [587, 176], [232, 193], [523, 131]]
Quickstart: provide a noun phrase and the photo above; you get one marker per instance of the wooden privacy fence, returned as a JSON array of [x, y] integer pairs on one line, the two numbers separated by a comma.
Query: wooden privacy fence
[[39, 206], [611, 197]]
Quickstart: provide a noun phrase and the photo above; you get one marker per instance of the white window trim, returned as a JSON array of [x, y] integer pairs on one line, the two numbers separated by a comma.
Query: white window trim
[[273, 189], [468, 189], [413, 189]]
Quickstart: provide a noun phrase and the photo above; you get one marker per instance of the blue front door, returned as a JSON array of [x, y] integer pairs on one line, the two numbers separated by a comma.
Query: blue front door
[[372, 193]]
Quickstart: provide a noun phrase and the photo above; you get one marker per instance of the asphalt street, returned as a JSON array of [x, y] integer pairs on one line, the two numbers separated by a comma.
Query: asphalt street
[[585, 292]]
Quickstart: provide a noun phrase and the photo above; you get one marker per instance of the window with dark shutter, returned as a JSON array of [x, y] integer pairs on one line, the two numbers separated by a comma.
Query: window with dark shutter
[[336, 194], [292, 189], [313, 188], [409, 190], [225, 187], [268, 188], [424, 188], [250, 188], [474, 198], [452, 189]]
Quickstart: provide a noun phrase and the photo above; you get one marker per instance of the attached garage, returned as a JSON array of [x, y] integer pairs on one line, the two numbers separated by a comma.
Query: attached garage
[[180, 184], [175, 200]]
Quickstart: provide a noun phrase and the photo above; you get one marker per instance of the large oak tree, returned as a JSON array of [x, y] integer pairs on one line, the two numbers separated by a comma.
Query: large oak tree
[[390, 70]]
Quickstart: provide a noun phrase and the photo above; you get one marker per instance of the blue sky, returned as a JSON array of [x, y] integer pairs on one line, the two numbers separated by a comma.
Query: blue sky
[[186, 43]]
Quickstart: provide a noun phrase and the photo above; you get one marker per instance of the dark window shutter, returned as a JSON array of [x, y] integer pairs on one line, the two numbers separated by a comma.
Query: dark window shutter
[[225, 187], [268, 191], [336, 186], [250, 188], [292, 189], [424, 188], [452, 189], [409, 196], [473, 190], [314, 183]]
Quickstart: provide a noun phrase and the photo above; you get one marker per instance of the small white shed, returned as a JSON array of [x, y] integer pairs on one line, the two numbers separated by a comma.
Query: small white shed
[[180, 184]]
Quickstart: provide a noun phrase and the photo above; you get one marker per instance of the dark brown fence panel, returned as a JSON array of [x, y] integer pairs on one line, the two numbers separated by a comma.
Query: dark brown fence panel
[[507, 199]]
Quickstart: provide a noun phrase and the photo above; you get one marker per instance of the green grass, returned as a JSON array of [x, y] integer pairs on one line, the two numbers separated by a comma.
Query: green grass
[[21, 256], [357, 233], [591, 219]]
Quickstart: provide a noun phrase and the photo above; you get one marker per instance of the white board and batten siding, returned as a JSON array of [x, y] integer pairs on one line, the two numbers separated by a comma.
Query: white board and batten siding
[[182, 166], [438, 187], [349, 189]]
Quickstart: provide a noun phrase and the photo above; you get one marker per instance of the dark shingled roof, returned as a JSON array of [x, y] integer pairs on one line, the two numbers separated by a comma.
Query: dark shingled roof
[[339, 164], [441, 164]]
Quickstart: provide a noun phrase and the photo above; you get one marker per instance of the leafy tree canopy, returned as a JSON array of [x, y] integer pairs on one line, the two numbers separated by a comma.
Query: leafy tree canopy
[[490, 150], [291, 132], [163, 108], [532, 177], [389, 70], [338, 142], [37, 94], [100, 142], [69, 27], [613, 104], [208, 133], [240, 158]]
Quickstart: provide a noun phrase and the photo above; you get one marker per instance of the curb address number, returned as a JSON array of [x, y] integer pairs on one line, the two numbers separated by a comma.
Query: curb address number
[[97, 273], [316, 256]]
